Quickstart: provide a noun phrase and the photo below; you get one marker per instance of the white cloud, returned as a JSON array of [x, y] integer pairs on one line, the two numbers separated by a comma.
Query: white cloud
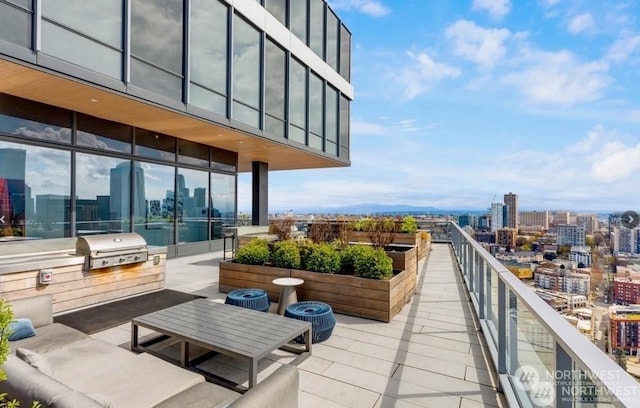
[[619, 162], [497, 9], [369, 7], [361, 127], [580, 23], [484, 46], [549, 3], [422, 73], [623, 48], [558, 78]]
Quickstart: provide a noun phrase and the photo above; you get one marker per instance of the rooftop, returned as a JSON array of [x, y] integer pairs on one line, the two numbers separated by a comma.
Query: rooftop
[[431, 354]]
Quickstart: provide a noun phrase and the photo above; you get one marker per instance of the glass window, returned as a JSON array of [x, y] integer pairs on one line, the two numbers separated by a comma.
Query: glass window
[[99, 19], [156, 60], [331, 118], [333, 30], [35, 187], [155, 79], [297, 101], [155, 145], [298, 15], [223, 160], [193, 153], [246, 72], [154, 203], [275, 89], [15, 25], [192, 211], [316, 110], [223, 203], [316, 32], [278, 9], [103, 134], [344, 127], [103, 191], [345, 53], [80, 50], [208, 88], [20, 117]]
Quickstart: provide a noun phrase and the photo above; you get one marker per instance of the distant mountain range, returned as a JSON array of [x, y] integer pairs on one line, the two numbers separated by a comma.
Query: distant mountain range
[[372, 208]]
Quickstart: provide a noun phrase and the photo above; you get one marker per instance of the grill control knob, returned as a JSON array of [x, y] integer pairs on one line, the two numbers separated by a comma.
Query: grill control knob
[[137, 258], [122, 259], [105, 261]]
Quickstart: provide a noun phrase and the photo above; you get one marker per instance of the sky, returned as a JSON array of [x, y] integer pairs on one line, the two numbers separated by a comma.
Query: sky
[[458, 102]]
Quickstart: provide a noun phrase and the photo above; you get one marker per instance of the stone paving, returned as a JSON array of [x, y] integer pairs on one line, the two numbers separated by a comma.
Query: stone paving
[[429, 355]]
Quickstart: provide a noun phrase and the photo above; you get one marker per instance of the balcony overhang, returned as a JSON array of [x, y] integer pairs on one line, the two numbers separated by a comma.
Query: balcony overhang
[[55, 89]]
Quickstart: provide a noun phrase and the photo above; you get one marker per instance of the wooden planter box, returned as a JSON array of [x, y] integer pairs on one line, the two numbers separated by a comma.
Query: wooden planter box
[[423, 245], [240, 276], [347, 294]]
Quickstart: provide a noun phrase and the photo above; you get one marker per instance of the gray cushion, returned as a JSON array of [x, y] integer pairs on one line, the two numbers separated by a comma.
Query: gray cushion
[[38, 308], [35, 360], [50, 337], [203, 395]]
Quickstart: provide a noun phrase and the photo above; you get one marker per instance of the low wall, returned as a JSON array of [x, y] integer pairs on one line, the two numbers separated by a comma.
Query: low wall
[[72, 286]]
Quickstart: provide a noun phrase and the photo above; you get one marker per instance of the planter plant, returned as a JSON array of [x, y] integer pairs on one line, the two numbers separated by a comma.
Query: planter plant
[[357, 280]]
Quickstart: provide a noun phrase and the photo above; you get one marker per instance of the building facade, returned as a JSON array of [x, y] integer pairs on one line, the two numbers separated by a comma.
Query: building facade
[[570, 235], [626, 291], [624, 325], [138, 115], [580, 255], [536, 220], [511, 201], [626, 240], [506, 237], [498, 216], [589, 222], [562, 280]]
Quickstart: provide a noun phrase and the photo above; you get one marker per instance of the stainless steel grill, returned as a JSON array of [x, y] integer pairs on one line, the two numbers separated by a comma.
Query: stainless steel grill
[[103, 251]]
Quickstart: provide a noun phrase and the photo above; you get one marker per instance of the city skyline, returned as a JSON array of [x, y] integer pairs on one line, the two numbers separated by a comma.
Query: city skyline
[[458, 102]]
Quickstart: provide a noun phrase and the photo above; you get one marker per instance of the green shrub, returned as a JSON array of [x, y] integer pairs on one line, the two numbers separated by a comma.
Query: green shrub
[[286, 254], [374, 264], [409, 224], [322, 258], [256, 252], [349, 255]]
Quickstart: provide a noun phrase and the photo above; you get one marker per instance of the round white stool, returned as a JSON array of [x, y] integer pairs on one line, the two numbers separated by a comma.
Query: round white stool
[[288, 294]]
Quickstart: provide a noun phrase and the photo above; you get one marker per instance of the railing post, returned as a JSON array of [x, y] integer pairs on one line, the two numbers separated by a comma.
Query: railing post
[[502, 327], [470, 268], [513, 333], [481, 287], [563, 378]]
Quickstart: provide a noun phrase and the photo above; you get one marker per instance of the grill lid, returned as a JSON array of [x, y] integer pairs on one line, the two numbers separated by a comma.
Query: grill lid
[[108, 244]]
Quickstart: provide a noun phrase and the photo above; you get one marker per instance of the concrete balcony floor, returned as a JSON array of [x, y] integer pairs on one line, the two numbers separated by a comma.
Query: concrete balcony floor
[[430, 355]]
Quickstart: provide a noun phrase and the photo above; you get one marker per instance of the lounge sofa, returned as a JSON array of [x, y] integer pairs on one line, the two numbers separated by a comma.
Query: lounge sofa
[[63, 367]]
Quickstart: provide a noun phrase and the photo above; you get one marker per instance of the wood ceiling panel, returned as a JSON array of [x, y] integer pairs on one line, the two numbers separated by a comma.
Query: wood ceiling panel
[[37, 85]]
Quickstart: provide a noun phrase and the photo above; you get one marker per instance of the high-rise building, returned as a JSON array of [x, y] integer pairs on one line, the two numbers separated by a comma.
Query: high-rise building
[[588, 221], [13, 203], [560, 217], [626, 240], [536, 220], [511, 201], [497, 216], [624, 328], [570, 235], [214, 87], [506, 237]]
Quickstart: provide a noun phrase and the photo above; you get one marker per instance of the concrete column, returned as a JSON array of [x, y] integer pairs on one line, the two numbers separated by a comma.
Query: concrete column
[[260, 196]]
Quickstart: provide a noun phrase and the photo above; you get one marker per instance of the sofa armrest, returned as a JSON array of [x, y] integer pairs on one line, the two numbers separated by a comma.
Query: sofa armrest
[[38, 308], [279, 390]]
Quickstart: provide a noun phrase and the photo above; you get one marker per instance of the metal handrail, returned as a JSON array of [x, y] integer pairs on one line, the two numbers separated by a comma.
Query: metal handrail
[[581, 351]]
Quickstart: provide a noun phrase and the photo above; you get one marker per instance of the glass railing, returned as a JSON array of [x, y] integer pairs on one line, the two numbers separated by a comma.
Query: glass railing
[[541, 359]]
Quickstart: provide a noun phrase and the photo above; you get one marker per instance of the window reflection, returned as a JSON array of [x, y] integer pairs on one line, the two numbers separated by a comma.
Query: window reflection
[[192, 211], [154, 203], [19, 117], [99, 19], [34, 192], [344, 127], [193, 153], [246, 72], [223, 203], [333, 30], [298, 17], [103, 194], [102, 134], [209, 55], [316, 33], [297, 101], [155, 145], [332, 121], [275, 89], [278, 9], [15, 25], [345, 53], [316, 110]]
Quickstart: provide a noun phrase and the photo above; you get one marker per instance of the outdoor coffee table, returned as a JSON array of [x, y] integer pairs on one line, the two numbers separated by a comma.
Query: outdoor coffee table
[[231, 330]]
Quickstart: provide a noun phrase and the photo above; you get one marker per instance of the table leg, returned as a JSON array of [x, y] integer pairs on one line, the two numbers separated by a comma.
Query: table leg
[[308, 340], [253, 372], [134, 336], [184, 353]]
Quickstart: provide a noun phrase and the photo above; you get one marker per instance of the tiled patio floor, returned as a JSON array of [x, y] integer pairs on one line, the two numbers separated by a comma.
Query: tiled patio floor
[[430, 355]]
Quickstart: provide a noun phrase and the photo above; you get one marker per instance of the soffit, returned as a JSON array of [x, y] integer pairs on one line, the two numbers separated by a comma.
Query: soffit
[[37, 85]]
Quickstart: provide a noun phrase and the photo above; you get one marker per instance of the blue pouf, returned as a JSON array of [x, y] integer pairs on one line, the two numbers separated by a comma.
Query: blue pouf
[[256, 299], [319, 314]]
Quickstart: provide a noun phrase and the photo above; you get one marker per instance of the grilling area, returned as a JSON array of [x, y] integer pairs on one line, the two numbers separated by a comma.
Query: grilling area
[[83, 271]]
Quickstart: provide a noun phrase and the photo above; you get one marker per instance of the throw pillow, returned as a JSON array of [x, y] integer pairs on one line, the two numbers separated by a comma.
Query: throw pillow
[[21, 328], [35, 360]]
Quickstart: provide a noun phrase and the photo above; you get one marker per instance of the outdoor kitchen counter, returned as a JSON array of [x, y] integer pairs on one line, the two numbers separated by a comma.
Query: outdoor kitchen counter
[[23, 263]]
